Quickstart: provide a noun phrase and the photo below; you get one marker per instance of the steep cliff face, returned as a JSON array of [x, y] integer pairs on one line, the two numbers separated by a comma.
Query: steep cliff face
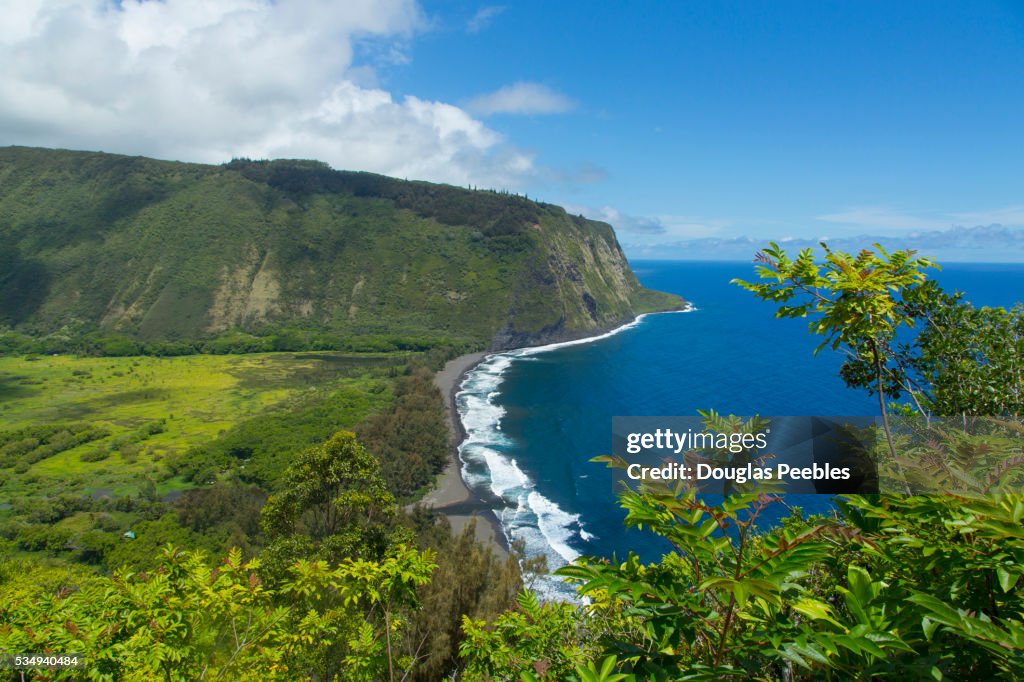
[[576, 283], [163, 250]]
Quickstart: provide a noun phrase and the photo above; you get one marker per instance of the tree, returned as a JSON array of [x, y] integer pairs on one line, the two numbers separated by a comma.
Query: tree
[[856, 302], [964, 360], [333, 504], [960, 361], [470, 582], [534, 641], [410, 439]]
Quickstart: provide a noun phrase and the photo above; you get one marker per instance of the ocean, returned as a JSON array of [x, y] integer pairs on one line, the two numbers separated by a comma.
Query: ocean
[[535, 417]]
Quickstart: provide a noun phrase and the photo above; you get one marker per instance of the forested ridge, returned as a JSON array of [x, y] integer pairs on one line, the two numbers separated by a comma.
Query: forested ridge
[[115, 255]]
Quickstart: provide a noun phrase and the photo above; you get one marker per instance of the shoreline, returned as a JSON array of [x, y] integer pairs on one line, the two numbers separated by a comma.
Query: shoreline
[[451, 496]]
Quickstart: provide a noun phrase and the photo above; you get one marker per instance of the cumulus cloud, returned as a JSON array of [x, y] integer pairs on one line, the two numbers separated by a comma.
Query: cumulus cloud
[[483, 18], [521, 98], [205, 81]]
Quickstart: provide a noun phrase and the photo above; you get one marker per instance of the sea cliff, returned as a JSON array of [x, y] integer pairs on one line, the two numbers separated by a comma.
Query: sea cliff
[[298, 252]]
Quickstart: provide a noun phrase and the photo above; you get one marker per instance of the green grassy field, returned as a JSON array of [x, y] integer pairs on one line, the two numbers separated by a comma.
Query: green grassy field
[[137, 416]]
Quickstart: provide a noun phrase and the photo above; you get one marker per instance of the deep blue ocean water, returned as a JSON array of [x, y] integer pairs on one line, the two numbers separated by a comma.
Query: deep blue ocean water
[[535, 419]]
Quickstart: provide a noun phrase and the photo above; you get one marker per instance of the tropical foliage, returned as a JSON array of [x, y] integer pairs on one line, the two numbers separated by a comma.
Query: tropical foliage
[[338, 582], [893, 588], [187, 620]]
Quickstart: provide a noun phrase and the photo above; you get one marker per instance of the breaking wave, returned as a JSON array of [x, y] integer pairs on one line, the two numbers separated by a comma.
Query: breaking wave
[[489, 464]]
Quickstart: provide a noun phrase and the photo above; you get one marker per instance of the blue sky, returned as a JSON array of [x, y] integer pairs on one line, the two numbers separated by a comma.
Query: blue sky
[[675, 121], [762, 118]]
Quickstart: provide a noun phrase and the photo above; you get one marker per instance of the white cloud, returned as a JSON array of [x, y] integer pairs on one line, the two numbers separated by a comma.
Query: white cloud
[[1008, 216], [637, 229], [881, 217], [983, 235], [623, 222], [891, 220], [483, 18], [683, 226], [521, 98], [979, 243], [205, 81]]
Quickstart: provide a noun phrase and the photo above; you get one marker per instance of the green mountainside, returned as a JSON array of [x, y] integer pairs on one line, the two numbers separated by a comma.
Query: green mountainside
[[158, 250]]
